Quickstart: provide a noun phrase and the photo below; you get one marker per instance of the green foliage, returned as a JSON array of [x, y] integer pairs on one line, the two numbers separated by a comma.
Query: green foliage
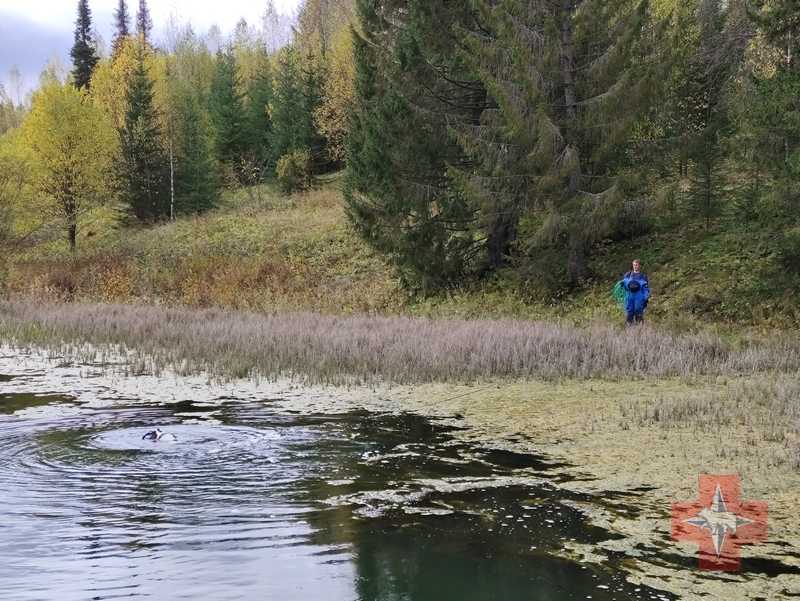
[[410, 83], [780, 25], [294, 171], [83, 53], [707, 187], [568, 87], [72, 144], [196, 183], [541, 102], [143, 166], [228, 115], [789, 250], [14, 167], [296, 97], [259, 155]]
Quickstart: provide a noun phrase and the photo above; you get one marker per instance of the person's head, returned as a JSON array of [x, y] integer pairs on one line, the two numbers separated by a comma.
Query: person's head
[[637, 265]]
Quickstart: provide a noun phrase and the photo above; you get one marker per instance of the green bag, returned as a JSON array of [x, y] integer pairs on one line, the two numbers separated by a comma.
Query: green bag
[[619, 293]]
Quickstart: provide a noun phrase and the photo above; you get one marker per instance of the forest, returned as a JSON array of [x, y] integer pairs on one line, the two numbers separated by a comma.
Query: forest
[[525, 146]]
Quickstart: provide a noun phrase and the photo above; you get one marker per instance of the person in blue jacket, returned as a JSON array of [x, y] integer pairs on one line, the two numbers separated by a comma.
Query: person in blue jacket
[[637, 293]]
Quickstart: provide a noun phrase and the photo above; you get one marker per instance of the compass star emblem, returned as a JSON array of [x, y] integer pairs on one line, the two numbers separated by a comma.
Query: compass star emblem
[[719, 523]]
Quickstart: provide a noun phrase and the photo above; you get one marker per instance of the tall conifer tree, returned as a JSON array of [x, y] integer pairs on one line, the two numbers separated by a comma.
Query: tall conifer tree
[[297, 95], [569, 79], [773, 122], [144, 165], [411, 84], [121, 26], [83, 53], [227, 110], [723, 36], [196, 184], [144, 24], [260, 95]]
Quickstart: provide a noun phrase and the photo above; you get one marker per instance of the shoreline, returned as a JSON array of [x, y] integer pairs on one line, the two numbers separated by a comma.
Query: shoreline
[[639, 472], [632, 472]]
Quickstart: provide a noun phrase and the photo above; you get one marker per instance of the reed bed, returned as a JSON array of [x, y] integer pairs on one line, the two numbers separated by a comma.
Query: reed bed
[[363, 349], [763, 408]]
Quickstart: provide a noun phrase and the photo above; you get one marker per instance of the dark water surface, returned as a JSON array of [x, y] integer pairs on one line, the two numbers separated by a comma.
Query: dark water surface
[[254, 502]]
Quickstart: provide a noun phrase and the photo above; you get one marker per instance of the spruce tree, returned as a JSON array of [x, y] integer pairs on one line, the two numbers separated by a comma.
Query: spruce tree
[[144, 24], [773, 124], [297, 95], [313, 140], [411, 84], [707, 187], [568, 80], [777, 105], [228, 115], [83, 53], [121, 27], [144, 166], [196, 184], [288, 104], [706, 86], [259, 155]]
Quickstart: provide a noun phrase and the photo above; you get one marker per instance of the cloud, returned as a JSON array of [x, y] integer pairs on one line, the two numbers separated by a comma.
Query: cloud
[[28, 46]]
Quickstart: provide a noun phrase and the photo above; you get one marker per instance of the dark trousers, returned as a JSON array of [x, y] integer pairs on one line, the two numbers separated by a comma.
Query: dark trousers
[[634, 317]]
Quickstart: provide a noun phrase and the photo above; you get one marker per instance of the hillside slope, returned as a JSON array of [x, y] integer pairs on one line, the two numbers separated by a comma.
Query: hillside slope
[[267, 253]]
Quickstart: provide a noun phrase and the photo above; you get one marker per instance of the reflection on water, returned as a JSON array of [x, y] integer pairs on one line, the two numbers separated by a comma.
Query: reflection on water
[[255, 502]]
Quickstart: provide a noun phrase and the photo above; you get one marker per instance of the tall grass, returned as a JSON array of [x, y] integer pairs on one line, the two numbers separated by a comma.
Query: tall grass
[[340, 350]]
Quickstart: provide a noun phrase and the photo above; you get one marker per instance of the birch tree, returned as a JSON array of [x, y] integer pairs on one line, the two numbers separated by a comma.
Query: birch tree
[[72, 143]]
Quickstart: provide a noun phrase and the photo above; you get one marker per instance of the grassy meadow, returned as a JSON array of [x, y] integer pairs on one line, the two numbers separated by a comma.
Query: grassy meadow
[[263, 252]]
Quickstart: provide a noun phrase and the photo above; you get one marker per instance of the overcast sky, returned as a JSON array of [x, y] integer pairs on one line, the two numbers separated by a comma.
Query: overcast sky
[[33, 30]]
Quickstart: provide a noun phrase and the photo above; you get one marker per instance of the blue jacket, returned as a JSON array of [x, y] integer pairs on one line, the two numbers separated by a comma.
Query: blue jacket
[[635, 299], [632, 275]]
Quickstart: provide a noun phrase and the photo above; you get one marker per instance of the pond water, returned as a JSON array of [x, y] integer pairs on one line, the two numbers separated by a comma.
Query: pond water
[[254, 501]]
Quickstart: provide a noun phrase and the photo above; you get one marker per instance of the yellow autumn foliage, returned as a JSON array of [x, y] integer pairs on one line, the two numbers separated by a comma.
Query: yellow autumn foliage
[[338, 98], [71, 142]]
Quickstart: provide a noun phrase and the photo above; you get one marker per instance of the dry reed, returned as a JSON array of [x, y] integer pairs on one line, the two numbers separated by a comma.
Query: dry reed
[[341, 350], [763, 408]]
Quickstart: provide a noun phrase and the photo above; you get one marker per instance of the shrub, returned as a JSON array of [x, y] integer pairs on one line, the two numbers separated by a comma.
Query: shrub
[[294, 171]]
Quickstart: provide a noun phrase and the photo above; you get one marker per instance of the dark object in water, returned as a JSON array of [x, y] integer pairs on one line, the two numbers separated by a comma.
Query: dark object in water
[[158, 436]]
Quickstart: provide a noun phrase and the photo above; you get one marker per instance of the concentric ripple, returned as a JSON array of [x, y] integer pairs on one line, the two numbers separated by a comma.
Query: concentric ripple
[[86, 499], [253, 503]]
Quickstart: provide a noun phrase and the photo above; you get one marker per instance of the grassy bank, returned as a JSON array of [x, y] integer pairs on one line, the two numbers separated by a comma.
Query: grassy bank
[[267, 253], [341, 350]]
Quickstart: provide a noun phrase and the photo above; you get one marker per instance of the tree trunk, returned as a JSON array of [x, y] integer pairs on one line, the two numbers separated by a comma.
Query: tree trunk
[[578, 269], [73, 232], [502, 232]]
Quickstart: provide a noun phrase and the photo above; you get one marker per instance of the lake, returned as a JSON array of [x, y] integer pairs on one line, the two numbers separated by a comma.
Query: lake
[[258, 501]]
